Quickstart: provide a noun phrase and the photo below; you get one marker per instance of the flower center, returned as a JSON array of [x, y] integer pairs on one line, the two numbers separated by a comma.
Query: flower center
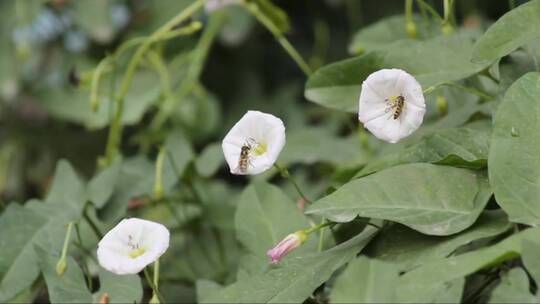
[[394, 99], [260, 149], [137, 253]]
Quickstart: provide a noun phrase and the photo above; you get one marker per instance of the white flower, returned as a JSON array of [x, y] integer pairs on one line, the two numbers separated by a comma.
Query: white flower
[[253, 144], [131, 245], [391, 105], [214, 5]]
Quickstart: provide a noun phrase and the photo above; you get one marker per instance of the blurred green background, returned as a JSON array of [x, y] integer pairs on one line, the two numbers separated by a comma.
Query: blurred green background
[[50, 50], [44, 44]]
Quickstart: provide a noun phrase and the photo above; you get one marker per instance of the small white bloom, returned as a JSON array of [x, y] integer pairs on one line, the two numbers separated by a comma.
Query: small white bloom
[[214, 5], [132, 245], [253, 144], [391, 105]]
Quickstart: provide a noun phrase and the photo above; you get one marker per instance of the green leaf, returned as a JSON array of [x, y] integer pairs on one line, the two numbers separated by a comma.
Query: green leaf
[[120, 288], [529, 256], [410, 249], [206, 288], [68, 288], [210, 160], [38, 223], [94, 17], [264, 216], [436, 200], [514, 165], [18, 228], [304, 146], [444, 270], [136, 179], [513, 288], [67, 187], [295, 279], [278, 16], [101, 187], [206, 254], [366, 280], [337, 85], [432, 292], [459, 147], [385, 32], [514, 29], [143, 93], [431, 62], [179, 151]]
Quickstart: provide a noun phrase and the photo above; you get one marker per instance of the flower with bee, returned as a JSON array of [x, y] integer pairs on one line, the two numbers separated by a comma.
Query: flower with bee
[[391, 104], [253, 144]]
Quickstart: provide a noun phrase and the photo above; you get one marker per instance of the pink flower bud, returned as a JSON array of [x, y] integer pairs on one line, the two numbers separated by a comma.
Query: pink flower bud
[[288, 244]]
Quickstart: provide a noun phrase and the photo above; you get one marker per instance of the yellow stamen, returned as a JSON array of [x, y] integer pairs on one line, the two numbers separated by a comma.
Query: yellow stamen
[[137, 253], [260, 149]]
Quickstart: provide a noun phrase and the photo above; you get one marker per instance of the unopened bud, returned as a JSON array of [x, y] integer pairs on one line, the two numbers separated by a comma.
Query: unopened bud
[[154, 299], [288, 244], [442, 105], [447, 28], [61, 266], [411, 29]]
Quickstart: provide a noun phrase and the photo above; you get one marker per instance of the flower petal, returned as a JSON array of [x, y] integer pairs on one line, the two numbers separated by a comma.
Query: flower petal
[[115, 247], [252, 129], [378, 108]]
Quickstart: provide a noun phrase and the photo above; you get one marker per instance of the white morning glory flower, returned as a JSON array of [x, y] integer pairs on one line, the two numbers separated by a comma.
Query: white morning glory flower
[[391, 105], [253, 144], [132, 245]]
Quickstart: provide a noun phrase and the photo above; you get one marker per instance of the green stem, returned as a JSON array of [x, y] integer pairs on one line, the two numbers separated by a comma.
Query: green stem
[[368, 223], [115, 131], [321, 236], [447, 10], [185, 30], [488, 75], [156, 275], [425, 17], [158, 184], [322, 42], [94, 85], [409, 22], [150, 282], [66, 240], [157, 61], [446, 23], [61, 266], [318, 227], [104, 64], [430, 9], [91, 223], [278, 35], [285, 174], [193, 73], [470, 90]]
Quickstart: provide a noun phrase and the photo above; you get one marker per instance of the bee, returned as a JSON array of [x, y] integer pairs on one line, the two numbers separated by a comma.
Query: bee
[[396, 105], [243, 161], [130, 243]]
